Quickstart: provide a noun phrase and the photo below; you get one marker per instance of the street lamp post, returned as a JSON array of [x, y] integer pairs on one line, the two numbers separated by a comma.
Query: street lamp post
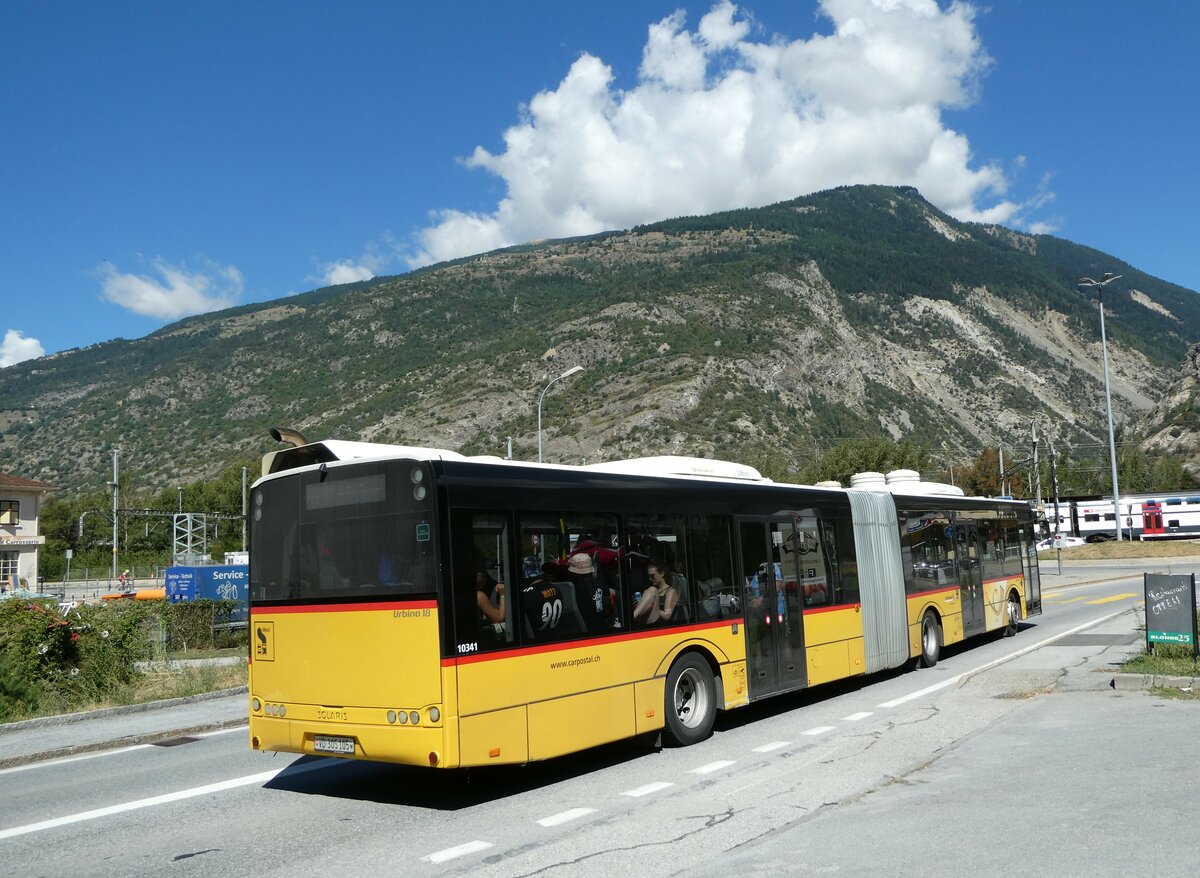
[[572, 371], [1098, 286]]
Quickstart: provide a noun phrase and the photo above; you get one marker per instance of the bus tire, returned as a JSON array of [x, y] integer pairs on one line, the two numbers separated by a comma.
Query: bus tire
[[691, 700], [931, 640], [1014, 615]]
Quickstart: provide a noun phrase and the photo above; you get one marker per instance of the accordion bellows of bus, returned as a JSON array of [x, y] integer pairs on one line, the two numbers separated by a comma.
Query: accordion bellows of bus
[[418, 606]]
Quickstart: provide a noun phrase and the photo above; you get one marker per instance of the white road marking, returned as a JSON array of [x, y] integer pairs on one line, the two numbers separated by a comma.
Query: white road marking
[[566, 816], [855, 717], [774, 745], [819, 730], [648, 789], [66, 759], [712, 766], [114, 752], [895, 702], [166, 798], [471, 847]]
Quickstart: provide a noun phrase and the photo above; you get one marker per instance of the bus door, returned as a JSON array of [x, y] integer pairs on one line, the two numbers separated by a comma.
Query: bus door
[[772, 586], [970, 577], [1152, 520]]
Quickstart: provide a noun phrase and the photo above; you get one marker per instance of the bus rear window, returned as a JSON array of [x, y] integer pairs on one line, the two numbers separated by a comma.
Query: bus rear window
[[348, 532]]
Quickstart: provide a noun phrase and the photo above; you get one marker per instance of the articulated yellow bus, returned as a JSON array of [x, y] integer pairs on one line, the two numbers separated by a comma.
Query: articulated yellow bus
[[415, 606]]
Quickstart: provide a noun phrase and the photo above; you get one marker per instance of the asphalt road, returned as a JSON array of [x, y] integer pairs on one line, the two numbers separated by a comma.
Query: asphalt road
[[1011, 754]]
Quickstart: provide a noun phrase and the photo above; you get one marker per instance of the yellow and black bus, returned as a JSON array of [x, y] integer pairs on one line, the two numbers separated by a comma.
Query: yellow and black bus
[[416, 606]]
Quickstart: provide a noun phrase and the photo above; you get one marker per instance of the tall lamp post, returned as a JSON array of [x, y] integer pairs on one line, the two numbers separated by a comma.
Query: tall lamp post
[[572, 371], [1098, 286]]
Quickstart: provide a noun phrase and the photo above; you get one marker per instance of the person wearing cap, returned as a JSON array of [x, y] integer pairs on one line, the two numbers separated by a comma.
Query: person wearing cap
[[589, 594]]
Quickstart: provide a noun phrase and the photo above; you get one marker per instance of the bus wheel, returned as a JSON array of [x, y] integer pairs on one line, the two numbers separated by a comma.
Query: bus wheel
[[691, 702], [931, 640], [1014, 615]]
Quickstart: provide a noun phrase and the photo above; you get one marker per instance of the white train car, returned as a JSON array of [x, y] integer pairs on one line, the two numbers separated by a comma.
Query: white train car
[[1145, 516]]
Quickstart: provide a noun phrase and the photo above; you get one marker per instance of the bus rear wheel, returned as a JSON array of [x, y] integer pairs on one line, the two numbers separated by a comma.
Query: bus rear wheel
[[1014, 615], [931, 640], [691, 700]]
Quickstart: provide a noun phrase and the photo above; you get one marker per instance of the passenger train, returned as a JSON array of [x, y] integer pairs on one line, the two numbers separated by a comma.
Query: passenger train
[[1154, 515]]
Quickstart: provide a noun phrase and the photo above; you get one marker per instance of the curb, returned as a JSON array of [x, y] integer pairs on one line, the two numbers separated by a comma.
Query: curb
[[1134, 682], [66, 718], [128, 741]]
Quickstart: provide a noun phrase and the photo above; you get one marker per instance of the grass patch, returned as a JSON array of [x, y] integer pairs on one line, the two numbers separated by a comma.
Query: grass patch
[[1126, 550], [192, 680], [1167, 660]]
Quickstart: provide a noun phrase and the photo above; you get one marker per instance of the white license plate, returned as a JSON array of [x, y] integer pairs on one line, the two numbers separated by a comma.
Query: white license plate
[[332, 744]]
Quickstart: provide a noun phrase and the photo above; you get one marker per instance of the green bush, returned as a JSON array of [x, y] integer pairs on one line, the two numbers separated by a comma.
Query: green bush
[[39, 648], [50, 662]]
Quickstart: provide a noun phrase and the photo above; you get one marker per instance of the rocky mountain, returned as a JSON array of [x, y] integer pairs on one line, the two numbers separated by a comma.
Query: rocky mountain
[[1173, 426], [775, 330]]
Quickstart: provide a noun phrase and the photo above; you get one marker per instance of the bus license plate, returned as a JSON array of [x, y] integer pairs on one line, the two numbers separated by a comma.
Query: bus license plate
[[332, 744]]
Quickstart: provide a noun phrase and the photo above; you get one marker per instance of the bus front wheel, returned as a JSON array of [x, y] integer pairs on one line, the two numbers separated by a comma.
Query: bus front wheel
[[691, 700], [931, 640]]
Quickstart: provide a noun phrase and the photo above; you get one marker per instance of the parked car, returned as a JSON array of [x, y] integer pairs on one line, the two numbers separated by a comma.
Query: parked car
[[1063, 542]]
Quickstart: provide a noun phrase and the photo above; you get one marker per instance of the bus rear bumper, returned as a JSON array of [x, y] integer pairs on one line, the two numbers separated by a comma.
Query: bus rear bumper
[[403, 745]]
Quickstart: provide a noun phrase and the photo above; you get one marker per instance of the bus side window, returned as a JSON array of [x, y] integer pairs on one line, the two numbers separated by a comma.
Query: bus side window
[[712, 566], [483, 580]]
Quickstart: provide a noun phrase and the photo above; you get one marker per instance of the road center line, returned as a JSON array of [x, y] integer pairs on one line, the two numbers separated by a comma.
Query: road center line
[[565, 816], [166, 798], [712, 766], [895, 702], [819, 730], [774, 745], [648, 789], [461, 850], [855, 717]]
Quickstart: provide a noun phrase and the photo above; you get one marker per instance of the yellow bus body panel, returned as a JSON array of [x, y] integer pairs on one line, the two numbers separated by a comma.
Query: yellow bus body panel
[[833, 644], [995, 600], [583, 694], [338, 670]]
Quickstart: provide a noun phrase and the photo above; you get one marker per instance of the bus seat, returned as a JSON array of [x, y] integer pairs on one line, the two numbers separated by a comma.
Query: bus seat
[[682, 613]]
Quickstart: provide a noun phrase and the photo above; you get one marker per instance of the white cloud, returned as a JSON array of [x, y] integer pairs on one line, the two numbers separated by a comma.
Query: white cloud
[[179, 292], [725, 117], [375, 258], [345, 272], [17, 347]]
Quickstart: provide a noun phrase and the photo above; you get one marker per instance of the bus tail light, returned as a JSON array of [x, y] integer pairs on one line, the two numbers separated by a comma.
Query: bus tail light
[[433, 759]]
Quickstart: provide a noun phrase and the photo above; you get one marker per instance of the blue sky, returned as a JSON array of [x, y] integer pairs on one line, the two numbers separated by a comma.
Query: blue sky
[[164, 159]]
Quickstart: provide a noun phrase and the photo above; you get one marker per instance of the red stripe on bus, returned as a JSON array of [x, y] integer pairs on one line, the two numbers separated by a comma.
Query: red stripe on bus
[[924, 594], [591, 642], [921, 594], [808, 611], [345, 608]]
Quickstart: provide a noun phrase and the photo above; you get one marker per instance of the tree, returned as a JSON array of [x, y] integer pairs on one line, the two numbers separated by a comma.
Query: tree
[[870, 454]]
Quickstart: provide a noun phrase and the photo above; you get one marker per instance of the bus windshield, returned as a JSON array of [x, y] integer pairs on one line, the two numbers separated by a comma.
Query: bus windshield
[[345, 532]]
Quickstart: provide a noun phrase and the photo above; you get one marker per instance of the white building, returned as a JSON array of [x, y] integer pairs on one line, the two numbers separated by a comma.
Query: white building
[[20, 503]]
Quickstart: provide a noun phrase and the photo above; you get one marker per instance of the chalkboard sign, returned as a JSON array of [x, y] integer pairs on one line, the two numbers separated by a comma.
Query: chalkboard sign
[[1171, 609]]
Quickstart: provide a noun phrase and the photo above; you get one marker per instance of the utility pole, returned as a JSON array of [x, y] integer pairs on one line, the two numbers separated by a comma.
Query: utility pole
[[245, 509], [1003, 492], [114, 484], [1057, 510], [1037, 471]]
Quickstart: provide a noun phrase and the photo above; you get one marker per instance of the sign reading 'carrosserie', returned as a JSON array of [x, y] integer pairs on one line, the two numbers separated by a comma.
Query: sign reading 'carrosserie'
[[1171, 609]]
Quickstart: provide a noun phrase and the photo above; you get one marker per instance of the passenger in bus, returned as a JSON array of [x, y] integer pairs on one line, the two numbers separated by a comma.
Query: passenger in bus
[[658, 601], [487, 589], [590, 595]]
